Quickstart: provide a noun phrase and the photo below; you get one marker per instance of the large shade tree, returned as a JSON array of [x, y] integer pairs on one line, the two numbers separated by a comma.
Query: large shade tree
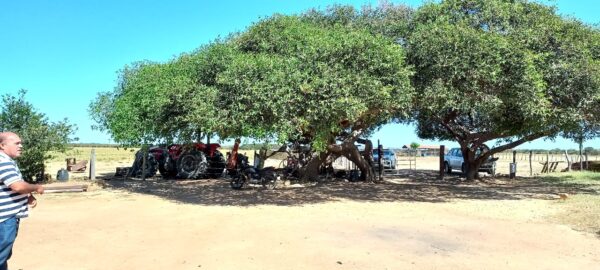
[[501, 71], [327, 86], [283, 78], [156, 102]]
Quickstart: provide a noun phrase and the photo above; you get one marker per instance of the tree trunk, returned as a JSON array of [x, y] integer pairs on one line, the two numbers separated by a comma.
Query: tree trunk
[[368, 157], [473, 169], [581, 155], [310, 171], [472, 163], [262, 155], [354, 155], [472, 172], [144, 158]]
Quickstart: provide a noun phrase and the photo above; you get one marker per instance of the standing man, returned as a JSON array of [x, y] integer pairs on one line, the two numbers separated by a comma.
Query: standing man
[[15, 194]]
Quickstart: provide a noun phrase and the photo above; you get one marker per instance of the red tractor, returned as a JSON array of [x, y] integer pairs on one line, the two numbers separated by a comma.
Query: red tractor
[[185, 161]]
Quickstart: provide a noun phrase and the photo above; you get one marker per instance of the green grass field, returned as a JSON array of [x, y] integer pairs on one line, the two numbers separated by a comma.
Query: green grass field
[[581, 209], [102, 154]]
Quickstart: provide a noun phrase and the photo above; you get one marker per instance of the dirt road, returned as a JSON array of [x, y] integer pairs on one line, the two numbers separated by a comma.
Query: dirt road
[[205, 225]]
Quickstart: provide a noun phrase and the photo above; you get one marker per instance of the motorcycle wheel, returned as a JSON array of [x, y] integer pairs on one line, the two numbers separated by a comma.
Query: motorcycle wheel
[[269, 180], [237, 182]]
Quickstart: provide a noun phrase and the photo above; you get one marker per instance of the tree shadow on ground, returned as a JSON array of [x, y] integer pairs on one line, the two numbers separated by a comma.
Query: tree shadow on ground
[[407, 185]]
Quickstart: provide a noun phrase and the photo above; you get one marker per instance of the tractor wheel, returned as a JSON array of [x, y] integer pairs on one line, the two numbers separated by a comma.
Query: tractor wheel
[[138, 169], [151, 166], [191, 165], [166, 166], [237, 182], [170, 167]]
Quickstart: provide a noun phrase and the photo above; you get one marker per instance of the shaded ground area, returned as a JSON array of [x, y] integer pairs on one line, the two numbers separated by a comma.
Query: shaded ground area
[[420, 186], [114, 229], [408, 222]]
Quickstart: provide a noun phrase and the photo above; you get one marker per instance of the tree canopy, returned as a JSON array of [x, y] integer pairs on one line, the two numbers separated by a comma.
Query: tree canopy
[[474, 71], [510, 71], [283, 78], [39, 136]]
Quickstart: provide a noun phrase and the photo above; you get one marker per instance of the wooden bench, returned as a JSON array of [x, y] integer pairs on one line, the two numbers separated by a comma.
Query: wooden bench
[[549, 166], [77, 167]]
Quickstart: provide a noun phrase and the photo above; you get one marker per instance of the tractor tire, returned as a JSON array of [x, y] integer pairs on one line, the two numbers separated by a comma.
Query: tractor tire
[[191, 165], [167, 168], [137, 167]]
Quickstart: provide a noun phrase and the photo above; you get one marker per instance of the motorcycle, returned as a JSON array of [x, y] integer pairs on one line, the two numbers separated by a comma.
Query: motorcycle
[[244, 173]]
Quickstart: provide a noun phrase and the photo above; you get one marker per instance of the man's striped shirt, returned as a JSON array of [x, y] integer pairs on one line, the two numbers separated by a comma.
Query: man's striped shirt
[[11, 202]]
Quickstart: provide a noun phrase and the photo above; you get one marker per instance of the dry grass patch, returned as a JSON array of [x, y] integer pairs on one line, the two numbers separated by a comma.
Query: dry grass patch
[[580, 211]]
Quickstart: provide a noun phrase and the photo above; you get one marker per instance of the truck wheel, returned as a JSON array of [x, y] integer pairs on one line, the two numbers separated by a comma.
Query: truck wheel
[[191, 165], [447, 168]]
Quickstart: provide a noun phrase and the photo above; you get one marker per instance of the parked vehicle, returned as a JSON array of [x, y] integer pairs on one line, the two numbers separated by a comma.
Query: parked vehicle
[[454, 160], [137, 168], [185, 161], [244, 173], [241, 172], [389, 158]]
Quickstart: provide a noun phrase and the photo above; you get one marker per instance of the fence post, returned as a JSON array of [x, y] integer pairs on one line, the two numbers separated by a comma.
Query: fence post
[[93, 164], [568, 161], [530, 165], [442, 169], [547, 161], [513, 166], [380, 154]]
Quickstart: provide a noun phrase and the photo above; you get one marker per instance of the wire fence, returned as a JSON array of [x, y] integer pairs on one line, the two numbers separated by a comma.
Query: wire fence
[[507, 155]]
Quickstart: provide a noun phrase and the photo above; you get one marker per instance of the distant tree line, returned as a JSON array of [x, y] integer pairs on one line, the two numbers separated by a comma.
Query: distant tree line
[[99, 145]]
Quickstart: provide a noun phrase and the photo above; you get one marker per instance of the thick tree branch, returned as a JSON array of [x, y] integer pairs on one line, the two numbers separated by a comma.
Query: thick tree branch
[[516, 143]]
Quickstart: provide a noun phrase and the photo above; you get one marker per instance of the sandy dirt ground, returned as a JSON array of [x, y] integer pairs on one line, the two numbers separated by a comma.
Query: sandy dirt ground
[[403, 223]]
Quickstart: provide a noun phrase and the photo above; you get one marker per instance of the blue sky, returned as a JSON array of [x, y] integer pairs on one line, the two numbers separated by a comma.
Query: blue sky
[[63, 52]]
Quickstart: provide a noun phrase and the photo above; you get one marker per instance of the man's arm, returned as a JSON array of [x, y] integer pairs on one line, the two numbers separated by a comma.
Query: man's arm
[[23, 187]]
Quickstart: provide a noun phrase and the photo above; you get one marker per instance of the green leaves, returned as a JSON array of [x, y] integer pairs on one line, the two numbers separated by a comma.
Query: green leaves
[[39, 136], [459, 68], [284, 78], [308, 78], [508, 68]]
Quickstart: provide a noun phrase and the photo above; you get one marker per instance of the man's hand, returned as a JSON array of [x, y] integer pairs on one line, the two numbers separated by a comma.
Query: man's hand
[[26, 188], [39, 189], [31, 201]]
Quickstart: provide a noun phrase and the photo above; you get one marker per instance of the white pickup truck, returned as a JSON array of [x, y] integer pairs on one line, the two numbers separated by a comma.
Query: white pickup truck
[[454, 160]]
